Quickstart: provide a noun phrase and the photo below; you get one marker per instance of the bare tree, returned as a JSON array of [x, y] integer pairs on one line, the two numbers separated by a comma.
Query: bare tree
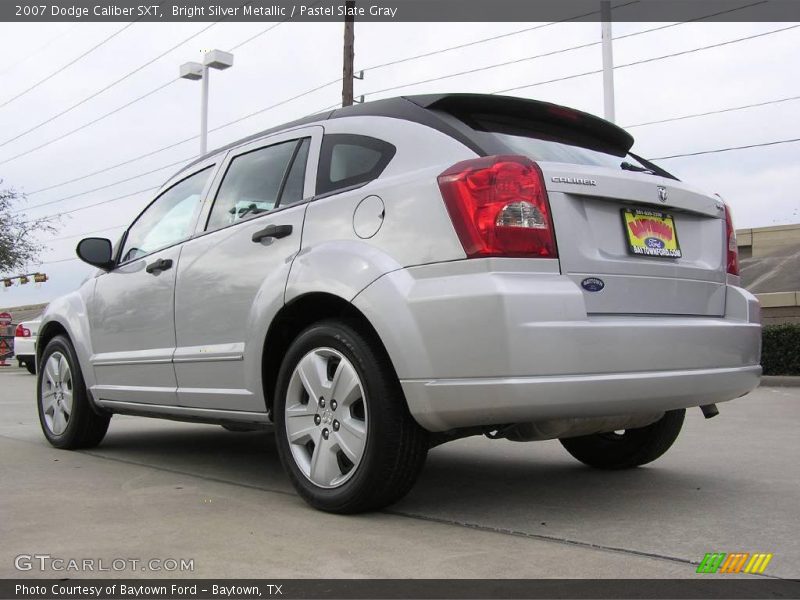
[[19, 245]]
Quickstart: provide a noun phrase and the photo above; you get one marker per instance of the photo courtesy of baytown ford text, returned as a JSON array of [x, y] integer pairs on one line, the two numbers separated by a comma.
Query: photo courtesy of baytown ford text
[[399, 299]]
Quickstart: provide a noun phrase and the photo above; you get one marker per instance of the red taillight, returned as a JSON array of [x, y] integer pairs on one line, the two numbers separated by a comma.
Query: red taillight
[[499, 207], [22, 331], [730, 243]]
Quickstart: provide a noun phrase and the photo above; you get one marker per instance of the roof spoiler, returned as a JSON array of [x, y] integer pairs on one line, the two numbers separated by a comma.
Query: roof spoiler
[[525, 109]]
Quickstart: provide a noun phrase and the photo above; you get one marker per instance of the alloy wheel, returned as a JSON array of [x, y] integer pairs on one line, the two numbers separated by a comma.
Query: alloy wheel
[[326, 417], [57, 393]]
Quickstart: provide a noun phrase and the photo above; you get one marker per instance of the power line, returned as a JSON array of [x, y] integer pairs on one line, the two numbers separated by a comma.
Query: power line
[[270, 107], [108, 87], [519, 31], [317, 88], [102, 187], [126, 105], [106, 169], [489, 39], [712, 112], [556, 52], [257, 35], [92, 122], [74, 210], [228, 124], [30, 55], [729, 149], [478, 69], [268, 29], [66, 66], [85, 233], [448, 49], [178, 143], [649, 60], [307, 92]]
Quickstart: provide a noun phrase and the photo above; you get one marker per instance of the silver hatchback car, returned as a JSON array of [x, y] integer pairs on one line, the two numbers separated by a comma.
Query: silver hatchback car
[[383, 278]]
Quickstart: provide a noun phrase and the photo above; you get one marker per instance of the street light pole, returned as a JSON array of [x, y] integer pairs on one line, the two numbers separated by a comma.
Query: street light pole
[[214, 59], [608, 61], [204, 111]]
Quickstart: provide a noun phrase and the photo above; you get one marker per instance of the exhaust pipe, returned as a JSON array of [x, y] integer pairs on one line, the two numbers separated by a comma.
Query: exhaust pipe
[[709, 410]]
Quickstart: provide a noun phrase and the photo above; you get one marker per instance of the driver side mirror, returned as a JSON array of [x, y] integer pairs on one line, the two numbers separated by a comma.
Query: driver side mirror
[[97, 252]]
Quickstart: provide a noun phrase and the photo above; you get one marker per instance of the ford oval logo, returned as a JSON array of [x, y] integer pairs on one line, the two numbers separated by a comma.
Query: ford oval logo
[[654, 242], [592, 284]]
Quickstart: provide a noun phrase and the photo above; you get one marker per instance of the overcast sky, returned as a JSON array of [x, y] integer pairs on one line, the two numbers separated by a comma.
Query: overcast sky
[[760, 183]]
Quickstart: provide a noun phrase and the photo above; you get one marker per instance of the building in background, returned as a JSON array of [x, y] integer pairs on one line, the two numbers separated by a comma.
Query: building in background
[[770, 268]]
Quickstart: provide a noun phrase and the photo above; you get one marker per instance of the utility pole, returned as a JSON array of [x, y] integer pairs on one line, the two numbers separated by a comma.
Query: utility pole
[[608, 61], [349, 54]]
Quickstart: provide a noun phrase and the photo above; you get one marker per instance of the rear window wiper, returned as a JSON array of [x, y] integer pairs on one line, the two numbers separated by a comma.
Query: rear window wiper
[[626, 166]]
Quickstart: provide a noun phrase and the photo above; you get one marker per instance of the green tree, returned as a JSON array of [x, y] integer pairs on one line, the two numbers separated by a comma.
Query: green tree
[[19, 245]]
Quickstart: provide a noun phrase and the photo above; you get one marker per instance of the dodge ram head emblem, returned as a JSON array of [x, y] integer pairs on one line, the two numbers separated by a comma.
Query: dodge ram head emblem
[[662, 193]]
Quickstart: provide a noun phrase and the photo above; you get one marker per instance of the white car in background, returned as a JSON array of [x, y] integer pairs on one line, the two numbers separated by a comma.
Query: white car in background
[[25, 344]]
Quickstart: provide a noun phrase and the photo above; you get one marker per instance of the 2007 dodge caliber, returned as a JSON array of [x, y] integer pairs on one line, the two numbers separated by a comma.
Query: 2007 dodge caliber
[[383, 278]]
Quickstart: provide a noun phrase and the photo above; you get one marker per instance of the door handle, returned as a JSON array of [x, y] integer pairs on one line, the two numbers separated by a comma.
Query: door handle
[[272, 231], [162, 264]]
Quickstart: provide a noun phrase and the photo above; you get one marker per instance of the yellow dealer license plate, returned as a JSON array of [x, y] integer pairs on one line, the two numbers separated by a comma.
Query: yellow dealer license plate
[[651, 233]]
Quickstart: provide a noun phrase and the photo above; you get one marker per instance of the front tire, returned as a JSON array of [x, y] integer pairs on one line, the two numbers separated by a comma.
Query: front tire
[[66, 417], [631, 448], [344, 433]]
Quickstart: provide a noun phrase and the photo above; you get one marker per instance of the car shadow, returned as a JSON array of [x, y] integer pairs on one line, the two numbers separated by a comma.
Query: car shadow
[[468, 477], [207, 451], [677, 507]]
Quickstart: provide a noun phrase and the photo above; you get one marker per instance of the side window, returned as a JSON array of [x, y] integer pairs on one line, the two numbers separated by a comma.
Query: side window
[[347, 160], [293, 189], [251, 184], [168, 220]]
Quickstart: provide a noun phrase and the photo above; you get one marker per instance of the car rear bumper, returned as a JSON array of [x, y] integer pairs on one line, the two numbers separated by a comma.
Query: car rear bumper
[[443, 404], [484, 342], [24, 349]]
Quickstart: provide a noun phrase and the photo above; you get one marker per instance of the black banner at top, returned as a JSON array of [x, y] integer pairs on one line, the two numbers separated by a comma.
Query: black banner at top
[[397, 10]]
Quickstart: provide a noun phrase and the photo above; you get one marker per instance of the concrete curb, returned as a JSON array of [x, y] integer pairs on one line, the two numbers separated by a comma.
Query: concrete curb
[[780, 381]]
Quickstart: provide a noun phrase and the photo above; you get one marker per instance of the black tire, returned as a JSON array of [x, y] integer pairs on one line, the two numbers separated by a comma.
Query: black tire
[[31, 366], [632, 448], [84, 427], [396, 446]]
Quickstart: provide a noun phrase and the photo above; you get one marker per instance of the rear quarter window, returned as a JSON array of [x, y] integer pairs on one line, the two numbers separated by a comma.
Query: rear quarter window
[[347, 160]]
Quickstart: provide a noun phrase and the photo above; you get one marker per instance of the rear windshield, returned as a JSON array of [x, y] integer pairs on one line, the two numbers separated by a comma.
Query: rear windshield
[[546, 141], [559, 151]]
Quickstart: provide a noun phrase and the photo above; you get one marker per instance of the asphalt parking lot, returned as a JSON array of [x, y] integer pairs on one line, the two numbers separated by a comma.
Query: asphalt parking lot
[[160, 490]]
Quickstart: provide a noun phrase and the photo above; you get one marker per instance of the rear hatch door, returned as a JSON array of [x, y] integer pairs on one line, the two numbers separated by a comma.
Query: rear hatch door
[[655, 245], [599, 192]]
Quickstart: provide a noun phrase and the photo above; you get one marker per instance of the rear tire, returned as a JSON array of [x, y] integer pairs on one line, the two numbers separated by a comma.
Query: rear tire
[[31, 366], [67, 419], [344, 433], [632, 448]]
